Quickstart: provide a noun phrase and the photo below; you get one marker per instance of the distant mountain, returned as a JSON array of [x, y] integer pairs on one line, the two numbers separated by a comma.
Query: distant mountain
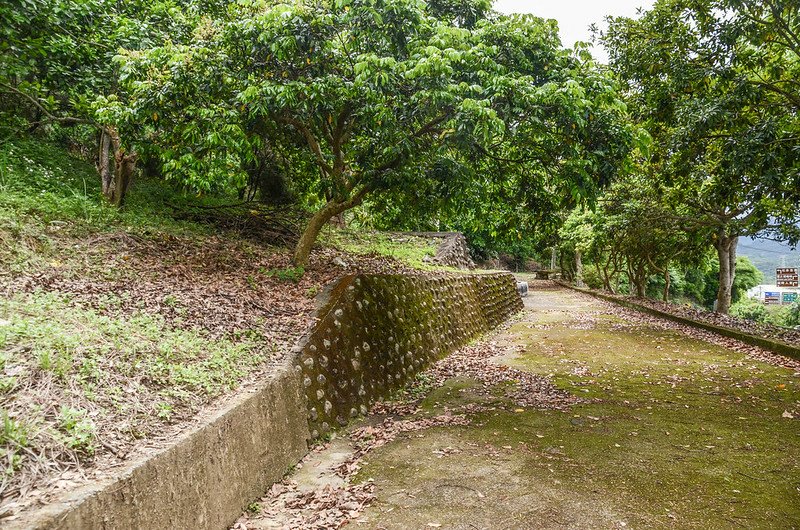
[[768, 255]]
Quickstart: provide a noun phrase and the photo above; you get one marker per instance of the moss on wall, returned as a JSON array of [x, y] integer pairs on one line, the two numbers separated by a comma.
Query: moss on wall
[[378, 331]]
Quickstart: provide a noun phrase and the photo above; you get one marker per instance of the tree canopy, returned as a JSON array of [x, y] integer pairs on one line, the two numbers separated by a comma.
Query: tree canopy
[[438, 115], [713, 88], [361, 98]]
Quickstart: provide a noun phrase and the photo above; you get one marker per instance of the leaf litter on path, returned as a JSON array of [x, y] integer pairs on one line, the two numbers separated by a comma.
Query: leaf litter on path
[[335, 506]]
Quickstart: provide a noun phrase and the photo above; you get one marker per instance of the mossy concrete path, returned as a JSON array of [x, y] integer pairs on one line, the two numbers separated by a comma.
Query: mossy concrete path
[[665, 430]]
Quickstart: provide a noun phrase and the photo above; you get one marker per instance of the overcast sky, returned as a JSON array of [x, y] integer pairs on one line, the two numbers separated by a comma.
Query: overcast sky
[[575, 16]]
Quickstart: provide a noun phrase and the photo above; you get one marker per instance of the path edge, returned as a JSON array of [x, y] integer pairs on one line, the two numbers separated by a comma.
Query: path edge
[[774, 346]]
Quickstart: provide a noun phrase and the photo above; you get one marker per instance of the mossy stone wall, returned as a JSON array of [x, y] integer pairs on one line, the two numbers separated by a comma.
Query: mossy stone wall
[[378, 331]]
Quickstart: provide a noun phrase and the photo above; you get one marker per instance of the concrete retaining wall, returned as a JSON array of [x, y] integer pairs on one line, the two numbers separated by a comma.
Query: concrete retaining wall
[[374, 333], [202, 481]]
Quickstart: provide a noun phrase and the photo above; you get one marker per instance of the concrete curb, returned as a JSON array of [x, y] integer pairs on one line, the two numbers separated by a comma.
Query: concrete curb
[[775, 346], [204, 480]]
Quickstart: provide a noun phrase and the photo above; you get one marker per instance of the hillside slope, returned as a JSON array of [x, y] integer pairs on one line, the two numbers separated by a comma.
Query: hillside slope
[[117, 327]]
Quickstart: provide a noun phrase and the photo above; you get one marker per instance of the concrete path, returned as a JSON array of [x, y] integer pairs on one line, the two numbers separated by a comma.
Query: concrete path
[[648, 425]]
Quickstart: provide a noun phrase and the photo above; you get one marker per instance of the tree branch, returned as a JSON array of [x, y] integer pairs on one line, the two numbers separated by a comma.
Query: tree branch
[[50, 116], [312, 141]]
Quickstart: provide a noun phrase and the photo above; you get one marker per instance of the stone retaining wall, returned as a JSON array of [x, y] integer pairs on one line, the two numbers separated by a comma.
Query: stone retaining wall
[[378, 331], [374, 333]]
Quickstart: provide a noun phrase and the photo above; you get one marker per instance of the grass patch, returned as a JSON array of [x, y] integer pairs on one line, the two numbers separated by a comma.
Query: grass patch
[[77, 372], [411, 250], [46, 332], [46, 194]]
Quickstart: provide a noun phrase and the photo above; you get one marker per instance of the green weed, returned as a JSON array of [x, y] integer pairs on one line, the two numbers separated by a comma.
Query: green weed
[[291, 274], [13, 439], [170, 300], [164, 410], [7, 384], [14, 432], [78, 430]]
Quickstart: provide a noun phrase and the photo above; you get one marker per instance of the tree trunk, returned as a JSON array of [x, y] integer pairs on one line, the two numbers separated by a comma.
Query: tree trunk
[[601, 273], [124, 166], [666, 283], [607, 275], [578, 269], [104, 164], [726, 252], [115, 186], [565, 266], [314, 227], [607, 281], [640, 286], [637, 275]]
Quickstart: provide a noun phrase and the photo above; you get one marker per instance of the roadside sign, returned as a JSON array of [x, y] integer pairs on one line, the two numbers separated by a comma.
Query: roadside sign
[[787, 277], [789, 298], [772, 298]]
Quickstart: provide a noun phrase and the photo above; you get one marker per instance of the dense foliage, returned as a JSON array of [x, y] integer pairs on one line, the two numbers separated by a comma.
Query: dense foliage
[[714, 83], [384, 99], [440, 115]]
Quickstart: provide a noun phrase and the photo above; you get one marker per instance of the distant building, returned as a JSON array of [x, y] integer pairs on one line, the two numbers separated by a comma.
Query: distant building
[[772, 294]]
